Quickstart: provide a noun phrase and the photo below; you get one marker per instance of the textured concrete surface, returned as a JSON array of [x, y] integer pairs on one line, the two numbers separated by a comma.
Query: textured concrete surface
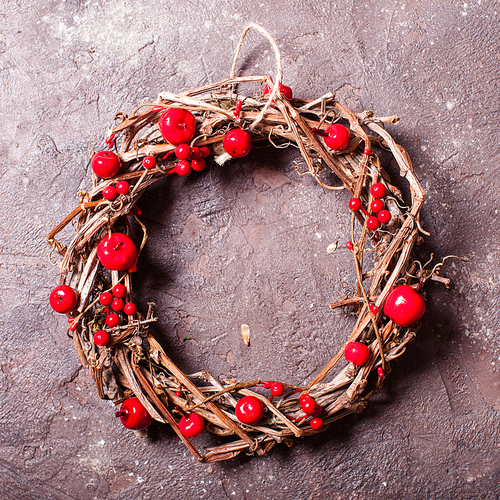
[[247, 244]]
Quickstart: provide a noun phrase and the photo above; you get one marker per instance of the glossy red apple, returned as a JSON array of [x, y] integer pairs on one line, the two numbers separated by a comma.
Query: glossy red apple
[[117, 252], [338, 136], [249, 410], [63, 299], [177, 126], [105, 164], [357, 353], [237, 143], [133, 415], [404, 305], [192, 425]]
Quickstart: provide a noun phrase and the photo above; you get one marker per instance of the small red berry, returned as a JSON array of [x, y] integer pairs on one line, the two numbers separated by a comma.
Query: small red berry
[[277, 389], [182, 168], [372, 223], [137, 210], [368, 152], [376, 206], [109, 193], [338, 137], [149, 162], [122, 187], [105, 164], [286, 91], [102, 338], [63, 299], [198, 165], [105, 298], [384, 216], [157, 109], [192, 425], [304, 398], [354, 204], [237, 111], [130, 309], [120, 291], [110, 139], [310, 407], [373, 308], [195, 153], [178, 394], [117, 305], [357, 353], [380, 372], [237, 143], [205, 151], [316, 423], [183, 151], [133, 415], [349, 246], [249, 410], [177, 125], [378, 190], [112, 320]]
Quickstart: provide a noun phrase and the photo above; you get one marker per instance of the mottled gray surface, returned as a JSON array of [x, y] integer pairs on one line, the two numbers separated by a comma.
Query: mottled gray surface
[[247, 244]]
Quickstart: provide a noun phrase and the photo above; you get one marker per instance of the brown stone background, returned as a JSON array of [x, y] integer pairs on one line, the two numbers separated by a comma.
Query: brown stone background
[[246, 243]]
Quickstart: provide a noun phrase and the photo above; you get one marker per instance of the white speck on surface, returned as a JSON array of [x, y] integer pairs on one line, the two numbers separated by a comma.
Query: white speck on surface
[[318, 235]]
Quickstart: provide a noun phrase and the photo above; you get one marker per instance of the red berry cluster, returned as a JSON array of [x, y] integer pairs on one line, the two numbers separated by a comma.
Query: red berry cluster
[[178, 127], [383, 216], [111, 192], [115, 302], [311, 409], [190, 158]]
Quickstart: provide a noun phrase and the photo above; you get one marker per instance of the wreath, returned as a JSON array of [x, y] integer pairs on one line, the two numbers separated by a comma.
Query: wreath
[[176, 134]]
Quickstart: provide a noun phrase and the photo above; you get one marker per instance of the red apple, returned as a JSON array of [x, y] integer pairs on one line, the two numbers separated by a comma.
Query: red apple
[[63, 299], [133, 415], [192, 425], [237, 143], [177, 126], [357, 353], [404, 305], [338, 136], [117, 252], [105, 164], [249, 410]]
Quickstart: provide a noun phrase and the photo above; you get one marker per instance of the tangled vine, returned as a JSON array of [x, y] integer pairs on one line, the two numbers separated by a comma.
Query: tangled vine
[[127, 362]]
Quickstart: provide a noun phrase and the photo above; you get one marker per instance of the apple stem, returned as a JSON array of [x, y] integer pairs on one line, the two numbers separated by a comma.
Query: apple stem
[[120, 414], [181, 411], [317, 131]]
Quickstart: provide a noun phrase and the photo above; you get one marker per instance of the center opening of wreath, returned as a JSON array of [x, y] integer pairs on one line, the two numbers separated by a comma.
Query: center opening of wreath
[[249, 243]]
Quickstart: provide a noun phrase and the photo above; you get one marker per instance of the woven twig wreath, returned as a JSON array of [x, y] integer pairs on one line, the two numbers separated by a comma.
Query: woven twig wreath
[[112, 337]]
